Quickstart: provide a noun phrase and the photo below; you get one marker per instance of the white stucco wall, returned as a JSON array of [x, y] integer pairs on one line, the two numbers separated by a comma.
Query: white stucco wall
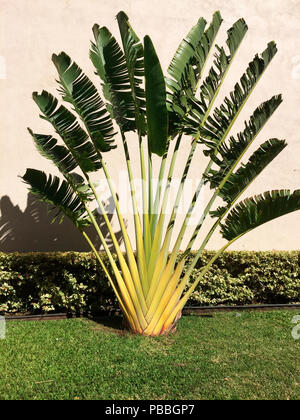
[[31, 30]]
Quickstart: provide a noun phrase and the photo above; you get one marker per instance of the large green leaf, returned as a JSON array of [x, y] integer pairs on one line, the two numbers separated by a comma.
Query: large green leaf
[[200, 108], [132, 45], [59, 155], [186, 69], [229, 153], [134, 55], [235, 35], [66, 125], [219, 124], [255, 211], [239, 181], [78, 89], [64, 161], [182, 60], [110, 63], [157, 115], [58, 193], [189, 60]]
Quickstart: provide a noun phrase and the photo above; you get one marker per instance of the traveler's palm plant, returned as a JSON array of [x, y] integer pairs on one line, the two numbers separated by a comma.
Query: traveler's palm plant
[[151, 282]]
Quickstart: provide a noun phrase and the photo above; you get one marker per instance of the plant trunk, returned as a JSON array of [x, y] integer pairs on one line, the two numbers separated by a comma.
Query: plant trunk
[[166, 329]]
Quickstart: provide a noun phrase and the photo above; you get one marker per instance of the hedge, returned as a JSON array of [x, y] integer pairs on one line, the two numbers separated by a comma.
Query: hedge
[[74, 282]]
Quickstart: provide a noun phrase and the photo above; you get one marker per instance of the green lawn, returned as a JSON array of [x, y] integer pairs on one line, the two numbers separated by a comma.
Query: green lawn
[[250, 355]]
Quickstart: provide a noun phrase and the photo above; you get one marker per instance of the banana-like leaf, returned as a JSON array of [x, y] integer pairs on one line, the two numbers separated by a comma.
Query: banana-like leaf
[[66, 125], [255, 211], [156, 107], [58, 154], [188, 62], [229, 154], [235, 35], [110, 63], [134, 55], [186, 69], [58, 193], [245, 175], [209, 88], [218, 125], [78, 89], [64, 161], [181, 62]]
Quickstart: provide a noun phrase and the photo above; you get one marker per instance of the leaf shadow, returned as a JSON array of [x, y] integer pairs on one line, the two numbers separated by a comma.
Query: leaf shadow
[[31, 230]]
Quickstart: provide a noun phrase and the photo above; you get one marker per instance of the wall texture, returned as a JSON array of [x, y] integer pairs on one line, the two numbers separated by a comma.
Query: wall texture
[[31, 30]]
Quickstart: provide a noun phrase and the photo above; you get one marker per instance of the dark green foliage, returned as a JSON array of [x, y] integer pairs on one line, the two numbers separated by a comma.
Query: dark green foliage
[[247, 277], [229, 153], [219, 123], [186, 70], [58, 154], [110, 63], [157, 116], [50, 189], [255, 211], [78, 90], [239, 180], [221, 63], [75, 282], [185, 56], [134, 56], [47, 282], [209, 87], [66, 125]]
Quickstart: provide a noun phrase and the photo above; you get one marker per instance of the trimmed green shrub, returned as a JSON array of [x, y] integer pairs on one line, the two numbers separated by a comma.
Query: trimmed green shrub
[[245, 277], [53, 282], [74, 282]]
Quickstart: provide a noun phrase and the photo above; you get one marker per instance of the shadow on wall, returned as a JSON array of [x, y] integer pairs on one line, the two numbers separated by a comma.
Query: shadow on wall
[[32, 230]]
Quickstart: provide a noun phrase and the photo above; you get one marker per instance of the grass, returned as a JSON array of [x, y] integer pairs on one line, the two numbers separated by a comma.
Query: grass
[[250, 355]]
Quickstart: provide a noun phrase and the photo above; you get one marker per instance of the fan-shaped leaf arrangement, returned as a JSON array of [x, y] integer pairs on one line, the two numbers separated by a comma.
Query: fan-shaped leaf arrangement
[[150, 284]]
